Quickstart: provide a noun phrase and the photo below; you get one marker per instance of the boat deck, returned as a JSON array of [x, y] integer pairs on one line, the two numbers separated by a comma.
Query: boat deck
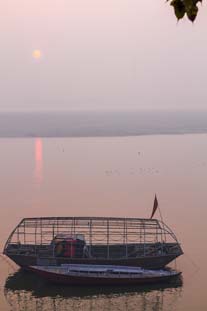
[[104, 271], [148, 243], [102, 274]]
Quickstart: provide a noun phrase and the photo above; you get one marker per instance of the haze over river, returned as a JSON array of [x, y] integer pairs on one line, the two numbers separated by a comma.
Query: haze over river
[[107, 177]]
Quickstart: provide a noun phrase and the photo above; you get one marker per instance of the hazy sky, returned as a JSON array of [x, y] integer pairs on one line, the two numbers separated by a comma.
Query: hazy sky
[[100, 54]]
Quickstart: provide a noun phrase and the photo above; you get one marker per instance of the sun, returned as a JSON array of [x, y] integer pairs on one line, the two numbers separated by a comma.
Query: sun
[[37, 54]]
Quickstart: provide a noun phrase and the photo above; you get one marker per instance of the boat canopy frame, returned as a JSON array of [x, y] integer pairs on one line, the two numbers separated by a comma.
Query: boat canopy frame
[[107, 231]]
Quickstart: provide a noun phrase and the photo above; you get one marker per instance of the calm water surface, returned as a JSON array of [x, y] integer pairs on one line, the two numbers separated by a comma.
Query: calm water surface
[[107, 177]]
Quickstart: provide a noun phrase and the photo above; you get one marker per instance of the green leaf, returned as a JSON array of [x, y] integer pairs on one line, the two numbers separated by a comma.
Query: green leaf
[[179, 8], [192, 13], [188, 4]]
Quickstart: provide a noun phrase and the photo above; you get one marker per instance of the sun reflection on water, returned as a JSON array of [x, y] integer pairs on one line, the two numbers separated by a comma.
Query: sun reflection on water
[[38, 161]]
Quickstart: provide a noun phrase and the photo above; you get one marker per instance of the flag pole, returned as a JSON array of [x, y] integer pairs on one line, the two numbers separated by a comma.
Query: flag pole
[[162, 222], [160, 213], [155, 207]]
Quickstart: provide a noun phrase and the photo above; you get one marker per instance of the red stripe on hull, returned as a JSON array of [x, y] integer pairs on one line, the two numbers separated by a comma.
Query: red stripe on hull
[[81, 280]]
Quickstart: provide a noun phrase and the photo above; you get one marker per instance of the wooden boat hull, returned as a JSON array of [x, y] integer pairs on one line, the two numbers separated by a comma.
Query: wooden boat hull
[[83, 280], [151, 262]]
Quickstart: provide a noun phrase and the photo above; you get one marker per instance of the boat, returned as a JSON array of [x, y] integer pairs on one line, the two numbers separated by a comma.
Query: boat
[[102, 274], [142, 242]]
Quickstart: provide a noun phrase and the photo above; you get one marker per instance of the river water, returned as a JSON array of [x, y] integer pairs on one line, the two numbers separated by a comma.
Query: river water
[[107, 177]]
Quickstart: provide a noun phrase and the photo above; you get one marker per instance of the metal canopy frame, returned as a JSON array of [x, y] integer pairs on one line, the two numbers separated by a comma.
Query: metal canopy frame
[[98, 231]]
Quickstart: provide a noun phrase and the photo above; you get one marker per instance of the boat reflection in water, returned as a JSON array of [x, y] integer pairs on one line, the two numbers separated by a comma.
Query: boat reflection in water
[[25, 291]]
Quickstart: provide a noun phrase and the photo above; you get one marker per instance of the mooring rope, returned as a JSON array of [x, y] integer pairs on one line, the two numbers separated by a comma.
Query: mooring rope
[[8, 262], [192, 262], [194, 271]]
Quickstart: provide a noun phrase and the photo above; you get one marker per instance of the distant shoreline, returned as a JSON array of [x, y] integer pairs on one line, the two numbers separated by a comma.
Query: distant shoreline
[[104, 136], [102, 123]]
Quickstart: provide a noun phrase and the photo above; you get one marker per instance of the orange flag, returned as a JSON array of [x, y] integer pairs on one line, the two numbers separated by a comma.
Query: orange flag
[[155, 206]]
